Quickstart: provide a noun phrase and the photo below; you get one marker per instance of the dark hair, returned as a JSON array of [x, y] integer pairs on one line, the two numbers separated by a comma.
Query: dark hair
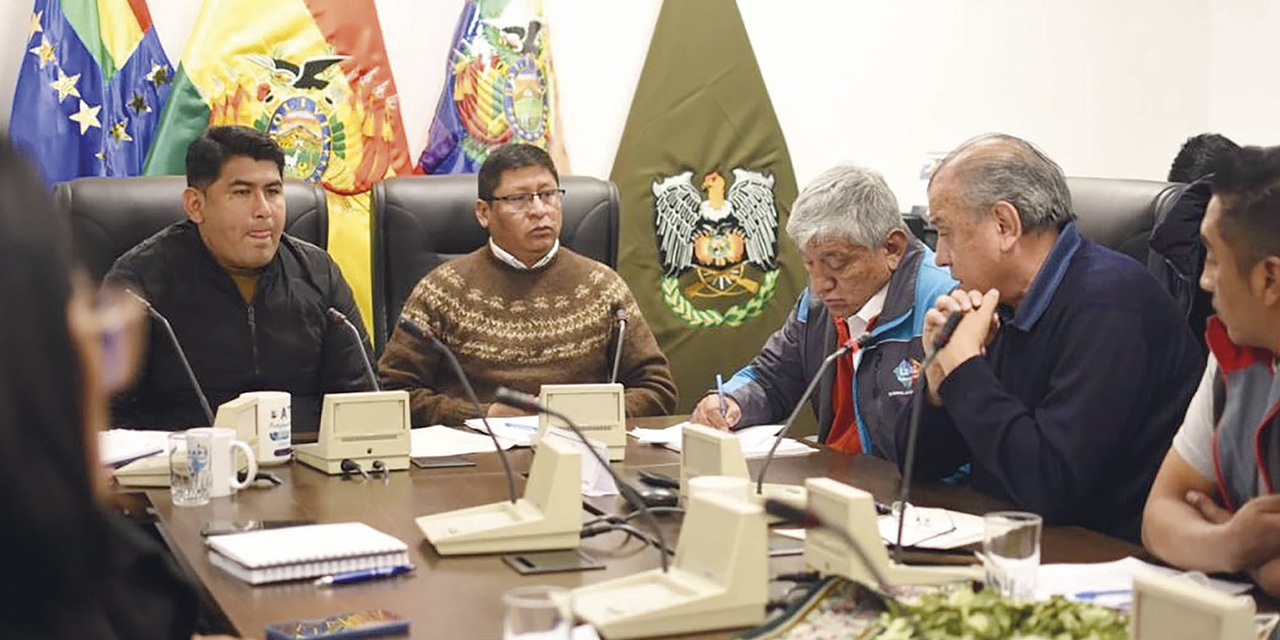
[[507, 157], [1247, 184], [1011, 169], [1197, 156], [53, 526], [207, 154]]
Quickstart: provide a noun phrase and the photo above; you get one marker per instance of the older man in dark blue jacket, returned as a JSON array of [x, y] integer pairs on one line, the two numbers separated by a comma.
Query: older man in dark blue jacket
[[1065, 381], [868, 278]]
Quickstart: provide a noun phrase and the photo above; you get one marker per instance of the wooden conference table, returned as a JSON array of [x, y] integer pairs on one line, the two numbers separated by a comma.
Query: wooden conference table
[[459, 597]]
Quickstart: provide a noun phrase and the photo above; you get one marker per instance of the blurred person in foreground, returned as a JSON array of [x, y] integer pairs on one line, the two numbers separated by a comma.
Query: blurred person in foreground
[[77, 570]]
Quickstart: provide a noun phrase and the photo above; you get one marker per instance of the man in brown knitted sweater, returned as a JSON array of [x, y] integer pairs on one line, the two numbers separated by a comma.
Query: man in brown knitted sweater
[[522, 311]]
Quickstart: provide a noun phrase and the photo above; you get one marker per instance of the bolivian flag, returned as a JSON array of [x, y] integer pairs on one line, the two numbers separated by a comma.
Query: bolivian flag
[[500, 87], [92, 81], [314, 75]]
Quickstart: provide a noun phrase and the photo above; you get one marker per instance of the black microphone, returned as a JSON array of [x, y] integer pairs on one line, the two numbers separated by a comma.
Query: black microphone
[[813, 385], [339, 317], [621, 315], [810, 520], [182, 355], [416, 330], [531, 403], [948, 328], [913, 427]]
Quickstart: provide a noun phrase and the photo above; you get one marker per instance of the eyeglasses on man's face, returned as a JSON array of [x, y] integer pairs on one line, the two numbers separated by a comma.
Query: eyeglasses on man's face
[[524, 201]]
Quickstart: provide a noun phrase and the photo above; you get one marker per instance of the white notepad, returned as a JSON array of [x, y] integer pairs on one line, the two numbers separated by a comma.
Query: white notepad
[[294, 553]]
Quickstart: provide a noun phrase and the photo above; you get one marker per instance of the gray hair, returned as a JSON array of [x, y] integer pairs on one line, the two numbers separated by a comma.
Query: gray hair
[[847, 202], [1013, 170]]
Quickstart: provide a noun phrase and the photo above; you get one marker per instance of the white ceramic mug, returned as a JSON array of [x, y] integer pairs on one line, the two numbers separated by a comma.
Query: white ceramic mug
[[274, 440], [222, 461]]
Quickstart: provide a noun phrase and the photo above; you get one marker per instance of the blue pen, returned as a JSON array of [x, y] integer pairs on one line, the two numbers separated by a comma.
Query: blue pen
[[520, 426], [724, 408], [347, 577], [1090, 595]]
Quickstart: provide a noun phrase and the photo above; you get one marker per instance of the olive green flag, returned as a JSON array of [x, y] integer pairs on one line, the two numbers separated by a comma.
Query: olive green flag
[[706, 185]]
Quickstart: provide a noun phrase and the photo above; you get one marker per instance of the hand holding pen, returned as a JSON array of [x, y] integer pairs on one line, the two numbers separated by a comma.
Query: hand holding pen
[[724, 410], [717, 409]]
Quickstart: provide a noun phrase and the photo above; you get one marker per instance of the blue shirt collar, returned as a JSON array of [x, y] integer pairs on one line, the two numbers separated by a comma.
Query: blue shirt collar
[[1046, 282]]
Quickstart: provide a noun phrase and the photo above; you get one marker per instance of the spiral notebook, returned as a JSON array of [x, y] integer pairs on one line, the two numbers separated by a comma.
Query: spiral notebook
[[295, 553]]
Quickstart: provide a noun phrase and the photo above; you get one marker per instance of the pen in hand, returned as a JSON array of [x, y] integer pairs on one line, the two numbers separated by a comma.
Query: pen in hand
[[724, 407]]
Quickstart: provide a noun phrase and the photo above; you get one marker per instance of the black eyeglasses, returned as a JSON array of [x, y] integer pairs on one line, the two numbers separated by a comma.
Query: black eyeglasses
[[524, 201]]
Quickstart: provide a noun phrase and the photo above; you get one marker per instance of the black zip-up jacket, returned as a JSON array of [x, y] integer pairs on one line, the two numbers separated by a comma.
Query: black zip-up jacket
[[283, 341]]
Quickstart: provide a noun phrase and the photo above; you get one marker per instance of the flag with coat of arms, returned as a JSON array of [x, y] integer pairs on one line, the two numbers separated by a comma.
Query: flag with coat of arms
[[500, 87], [91, 85], [314, 75]]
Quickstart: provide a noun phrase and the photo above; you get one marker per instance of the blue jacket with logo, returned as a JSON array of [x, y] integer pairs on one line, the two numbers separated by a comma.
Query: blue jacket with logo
[[769, 386]]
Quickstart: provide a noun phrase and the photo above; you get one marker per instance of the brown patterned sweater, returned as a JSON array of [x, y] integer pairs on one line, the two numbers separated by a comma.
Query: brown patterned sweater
[[520, 329]]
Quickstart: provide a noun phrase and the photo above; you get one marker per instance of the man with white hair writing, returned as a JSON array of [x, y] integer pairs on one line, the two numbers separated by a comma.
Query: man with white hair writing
[[868, 276]]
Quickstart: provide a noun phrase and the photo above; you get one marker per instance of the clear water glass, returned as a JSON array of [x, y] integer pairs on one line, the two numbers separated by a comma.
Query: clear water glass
[[537, 613], [190, 478], [1011, 549]]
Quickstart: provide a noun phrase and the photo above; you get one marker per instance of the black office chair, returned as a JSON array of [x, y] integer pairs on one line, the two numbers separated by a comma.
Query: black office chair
[[1116, 213], [111, 215], [423, 221], [1119, 213]]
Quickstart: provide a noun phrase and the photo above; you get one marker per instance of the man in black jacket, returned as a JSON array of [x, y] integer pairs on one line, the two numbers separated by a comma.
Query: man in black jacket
[[247, 302]]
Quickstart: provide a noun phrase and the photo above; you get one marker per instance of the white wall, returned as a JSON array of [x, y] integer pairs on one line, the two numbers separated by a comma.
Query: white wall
[[1106, 88]]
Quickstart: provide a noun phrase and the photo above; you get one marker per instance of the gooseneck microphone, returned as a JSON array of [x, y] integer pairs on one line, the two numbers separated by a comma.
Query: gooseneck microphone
[[339, 317], [182, 355], [813, 385], [621, 315], [531, 403], [415, 329], [913, 427], [810, 520]]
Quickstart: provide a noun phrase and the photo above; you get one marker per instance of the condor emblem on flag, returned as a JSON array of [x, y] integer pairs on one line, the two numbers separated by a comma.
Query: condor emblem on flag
[[723, 248], [500, 88]]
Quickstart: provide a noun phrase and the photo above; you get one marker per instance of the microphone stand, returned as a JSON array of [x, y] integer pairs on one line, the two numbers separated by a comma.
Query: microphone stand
[[622, 330], [530, 403], [418, 331], [786, 426], [913, 427], [341, 318], [182, 356], [809, 519]]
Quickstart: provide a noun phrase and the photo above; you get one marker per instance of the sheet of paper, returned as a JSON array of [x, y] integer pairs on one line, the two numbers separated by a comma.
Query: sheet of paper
[[519, 430], [755, 441], [788, 532], [1111, 583], [118, 445], [927, 528], [931, 528], [440, 440]]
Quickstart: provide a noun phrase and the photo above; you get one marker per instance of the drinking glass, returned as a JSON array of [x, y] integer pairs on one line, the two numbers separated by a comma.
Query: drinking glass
[[190, 478], [1011, 549], [537, 613]]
